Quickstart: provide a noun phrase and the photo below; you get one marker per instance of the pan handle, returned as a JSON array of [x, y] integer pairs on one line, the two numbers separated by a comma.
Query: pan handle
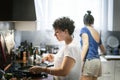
[[7, 67]]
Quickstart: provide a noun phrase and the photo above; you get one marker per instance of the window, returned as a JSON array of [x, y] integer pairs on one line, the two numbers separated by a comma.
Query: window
[[49, 10]]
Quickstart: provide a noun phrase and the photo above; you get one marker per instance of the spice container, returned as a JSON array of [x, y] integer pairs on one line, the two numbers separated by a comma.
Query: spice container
[[24, 57]]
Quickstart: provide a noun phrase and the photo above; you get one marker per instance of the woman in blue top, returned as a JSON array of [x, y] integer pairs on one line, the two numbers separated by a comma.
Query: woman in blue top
[[90, 41]]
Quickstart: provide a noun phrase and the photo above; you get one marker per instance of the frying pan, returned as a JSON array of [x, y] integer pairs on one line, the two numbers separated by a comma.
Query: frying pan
[[24, 72]]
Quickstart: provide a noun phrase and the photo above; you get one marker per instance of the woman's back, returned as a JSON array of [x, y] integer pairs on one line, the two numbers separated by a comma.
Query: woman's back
[[94, 34]]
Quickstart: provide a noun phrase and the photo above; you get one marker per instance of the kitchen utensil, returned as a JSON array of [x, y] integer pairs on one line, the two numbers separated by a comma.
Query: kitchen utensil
[[2, 71], [24, 72]]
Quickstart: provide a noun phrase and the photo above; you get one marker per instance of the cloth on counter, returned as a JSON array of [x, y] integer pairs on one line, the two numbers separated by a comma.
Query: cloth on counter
[[5, 46], [9, 41]]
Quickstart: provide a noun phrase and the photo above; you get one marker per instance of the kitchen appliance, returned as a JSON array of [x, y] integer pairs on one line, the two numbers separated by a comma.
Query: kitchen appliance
[[19, 70], [112, 45], [23, 72], [112, 41]]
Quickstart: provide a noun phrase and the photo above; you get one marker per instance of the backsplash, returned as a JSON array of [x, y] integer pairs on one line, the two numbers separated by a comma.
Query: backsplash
[[47, 37], [40, 37]]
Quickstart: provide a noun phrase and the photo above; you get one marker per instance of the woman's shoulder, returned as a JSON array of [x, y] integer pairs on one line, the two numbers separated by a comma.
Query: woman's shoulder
[[74, 44], [83, 30]]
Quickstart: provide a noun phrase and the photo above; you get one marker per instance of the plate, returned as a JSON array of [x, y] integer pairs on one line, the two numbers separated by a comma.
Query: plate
[[112, 41]]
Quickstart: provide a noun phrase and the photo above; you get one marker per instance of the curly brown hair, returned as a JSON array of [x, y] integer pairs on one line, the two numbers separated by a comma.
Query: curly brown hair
[[64, 23]]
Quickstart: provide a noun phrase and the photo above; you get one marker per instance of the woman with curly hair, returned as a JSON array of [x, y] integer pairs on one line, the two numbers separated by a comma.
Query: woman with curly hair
[[67, 60]]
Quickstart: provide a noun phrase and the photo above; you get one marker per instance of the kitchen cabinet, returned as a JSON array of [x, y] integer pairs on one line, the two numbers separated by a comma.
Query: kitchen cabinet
[[5, 10], [110, 70], [107, 70], [117, 70], [17, 10], [23, 10], [114, 15], [106, 78]]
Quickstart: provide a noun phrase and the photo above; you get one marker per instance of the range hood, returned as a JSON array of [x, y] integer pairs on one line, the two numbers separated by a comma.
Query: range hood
[[17, 10]]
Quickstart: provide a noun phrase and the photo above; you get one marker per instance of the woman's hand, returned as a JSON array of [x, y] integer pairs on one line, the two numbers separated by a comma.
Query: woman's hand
[[35, 69], [49, 57]]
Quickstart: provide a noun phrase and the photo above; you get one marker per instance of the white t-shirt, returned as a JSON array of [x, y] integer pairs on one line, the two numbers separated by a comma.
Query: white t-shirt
[[72, 50]]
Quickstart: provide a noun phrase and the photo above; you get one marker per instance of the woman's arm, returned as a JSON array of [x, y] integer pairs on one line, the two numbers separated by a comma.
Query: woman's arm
[[102, 49], [85, 46], [63, 70]]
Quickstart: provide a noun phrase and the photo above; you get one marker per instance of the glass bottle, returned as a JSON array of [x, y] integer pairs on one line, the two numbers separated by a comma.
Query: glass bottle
[[34, 56]]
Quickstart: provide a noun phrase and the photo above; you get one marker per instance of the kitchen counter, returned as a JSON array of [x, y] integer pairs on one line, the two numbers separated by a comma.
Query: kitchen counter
[[50, 77], [112, 57]]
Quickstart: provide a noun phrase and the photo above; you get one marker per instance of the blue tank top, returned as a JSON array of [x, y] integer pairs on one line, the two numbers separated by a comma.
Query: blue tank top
[[93, 45]]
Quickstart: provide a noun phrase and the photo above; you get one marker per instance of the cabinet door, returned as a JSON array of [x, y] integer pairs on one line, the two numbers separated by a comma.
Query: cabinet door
[[117, 70], [117, 74], [106, 78], [108, 67], [107, 70], [17, 10], [5, 10], [24, 10], [114, 15]]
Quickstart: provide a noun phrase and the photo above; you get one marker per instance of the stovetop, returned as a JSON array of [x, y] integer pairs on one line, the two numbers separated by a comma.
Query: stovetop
[[20, 70]]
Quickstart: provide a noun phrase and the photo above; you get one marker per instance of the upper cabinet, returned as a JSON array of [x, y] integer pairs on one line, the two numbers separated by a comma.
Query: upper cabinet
[[114, 15], [24, 10], [6, 10], [17, 10]]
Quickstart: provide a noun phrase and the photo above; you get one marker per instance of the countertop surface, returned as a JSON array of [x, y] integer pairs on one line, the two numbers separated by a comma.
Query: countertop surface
[[50, 77], [110, 57], [114, 57]]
